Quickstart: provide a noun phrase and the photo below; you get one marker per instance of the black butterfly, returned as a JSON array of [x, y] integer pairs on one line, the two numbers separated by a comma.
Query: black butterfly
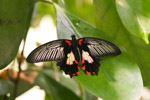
[[68, 54]]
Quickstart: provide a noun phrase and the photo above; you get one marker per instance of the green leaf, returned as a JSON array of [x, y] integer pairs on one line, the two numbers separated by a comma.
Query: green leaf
[[115, 75], [48, 97], [118, 76], [5, 87], [83, 8], [89, 96], [135, 15], [54, 90], [108, 20], [23, 87], [42, 9], [73, 86], [14, 23]]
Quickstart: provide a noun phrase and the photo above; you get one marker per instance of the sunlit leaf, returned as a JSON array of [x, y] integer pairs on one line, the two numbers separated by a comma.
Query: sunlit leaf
[[83, 8], [41, 10], [108, 20], [116, 74], [135, 15]]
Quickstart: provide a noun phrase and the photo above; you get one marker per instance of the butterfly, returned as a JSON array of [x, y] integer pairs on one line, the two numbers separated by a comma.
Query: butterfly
[[70, 54]]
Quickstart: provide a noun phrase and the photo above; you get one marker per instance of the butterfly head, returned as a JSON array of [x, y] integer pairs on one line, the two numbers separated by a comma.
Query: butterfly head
[[74, 41], [73, 37]]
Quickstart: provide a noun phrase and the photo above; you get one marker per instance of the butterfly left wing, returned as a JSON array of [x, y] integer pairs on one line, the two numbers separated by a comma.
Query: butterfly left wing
[[60, 51], [91, 50]]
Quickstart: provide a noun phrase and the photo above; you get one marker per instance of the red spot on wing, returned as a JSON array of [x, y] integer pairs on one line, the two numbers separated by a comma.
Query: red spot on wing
[[83, 67], [83, 61], [76, 62], [73, 74], [69, 43], [78, 73], [80, 41], [88, 73], [78, 67], [93, 73]]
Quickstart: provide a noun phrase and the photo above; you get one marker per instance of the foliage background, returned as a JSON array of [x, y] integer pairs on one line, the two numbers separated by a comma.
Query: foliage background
[[123, 22]]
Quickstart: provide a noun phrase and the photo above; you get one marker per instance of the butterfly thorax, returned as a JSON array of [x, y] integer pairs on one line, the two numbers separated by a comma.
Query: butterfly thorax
[[74, 41]]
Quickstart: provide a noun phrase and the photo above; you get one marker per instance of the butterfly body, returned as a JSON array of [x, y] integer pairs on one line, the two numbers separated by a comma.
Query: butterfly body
[[69, 53]]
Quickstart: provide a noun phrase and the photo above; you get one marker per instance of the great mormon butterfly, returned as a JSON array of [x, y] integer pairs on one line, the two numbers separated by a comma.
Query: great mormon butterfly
[[68, 54]]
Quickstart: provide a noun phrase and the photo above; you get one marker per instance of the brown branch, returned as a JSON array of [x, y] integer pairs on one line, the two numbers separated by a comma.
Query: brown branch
[[5, 97], [16, 82]]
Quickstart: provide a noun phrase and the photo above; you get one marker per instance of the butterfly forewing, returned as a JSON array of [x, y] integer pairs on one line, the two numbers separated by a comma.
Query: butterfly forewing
[[51, 51], [100, 47]]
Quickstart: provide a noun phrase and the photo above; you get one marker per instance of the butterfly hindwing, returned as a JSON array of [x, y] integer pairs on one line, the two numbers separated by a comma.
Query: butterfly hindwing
[[70, 64], [91, 50], [90, 64]]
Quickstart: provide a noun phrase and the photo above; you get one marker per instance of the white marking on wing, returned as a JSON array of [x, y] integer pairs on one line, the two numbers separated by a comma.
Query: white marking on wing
[[87, 57], [70, 58]]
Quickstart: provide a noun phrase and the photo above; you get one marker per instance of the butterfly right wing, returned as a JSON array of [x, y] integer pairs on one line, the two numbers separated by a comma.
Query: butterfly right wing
[[51, 51], [91, 50]]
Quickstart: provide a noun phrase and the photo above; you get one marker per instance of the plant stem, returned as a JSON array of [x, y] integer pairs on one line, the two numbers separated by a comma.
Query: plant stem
[[20, 60], [5, 97], [81, 90]]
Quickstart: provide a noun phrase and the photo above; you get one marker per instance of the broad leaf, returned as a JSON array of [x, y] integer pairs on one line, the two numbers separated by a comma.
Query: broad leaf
[[135, 15], [41, 10], [108, 20], [118, 76], [83, 8], [54, 89], [62, 80], [15, 18], [7, 87], [48, 97]]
